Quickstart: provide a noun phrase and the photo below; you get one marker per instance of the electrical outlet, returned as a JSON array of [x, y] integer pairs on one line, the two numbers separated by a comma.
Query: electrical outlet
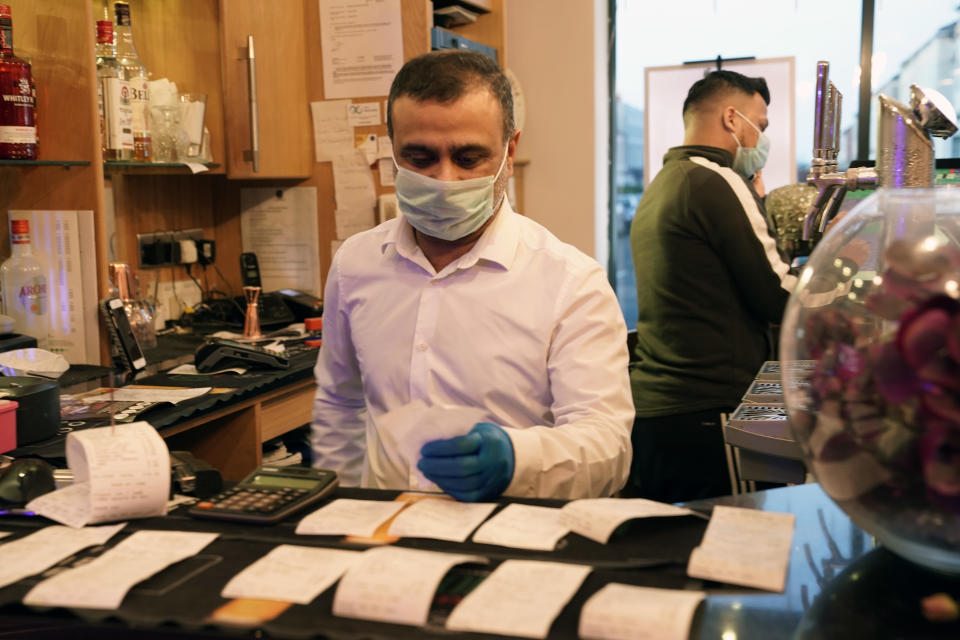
[[162, 248]]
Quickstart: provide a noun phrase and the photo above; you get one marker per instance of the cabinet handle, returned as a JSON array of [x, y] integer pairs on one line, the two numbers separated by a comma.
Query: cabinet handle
[[254, 121]]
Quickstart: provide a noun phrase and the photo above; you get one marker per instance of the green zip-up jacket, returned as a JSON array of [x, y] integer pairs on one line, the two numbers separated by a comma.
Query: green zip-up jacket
[[709, 283]]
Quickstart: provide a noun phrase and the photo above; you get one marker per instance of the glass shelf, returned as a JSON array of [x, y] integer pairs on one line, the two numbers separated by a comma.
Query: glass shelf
[[153, 167], [45, 163]]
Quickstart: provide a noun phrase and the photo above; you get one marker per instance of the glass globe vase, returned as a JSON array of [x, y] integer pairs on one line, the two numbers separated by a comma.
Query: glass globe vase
[[870, 360]]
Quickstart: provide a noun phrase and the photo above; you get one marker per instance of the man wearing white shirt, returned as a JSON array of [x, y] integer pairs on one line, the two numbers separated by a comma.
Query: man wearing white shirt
[[461, 301]]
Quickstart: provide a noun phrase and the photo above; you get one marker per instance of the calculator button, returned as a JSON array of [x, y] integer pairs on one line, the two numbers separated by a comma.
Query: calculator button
[[205, 505]]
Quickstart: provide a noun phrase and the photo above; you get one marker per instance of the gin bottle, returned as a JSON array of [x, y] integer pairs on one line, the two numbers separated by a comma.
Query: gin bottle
[[18, 126], [24, 286], [136, 74]]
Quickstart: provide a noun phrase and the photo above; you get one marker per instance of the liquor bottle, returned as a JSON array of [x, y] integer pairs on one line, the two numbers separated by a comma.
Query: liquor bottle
[[18, 126], [24, 286], [113, 99], [136, 74]]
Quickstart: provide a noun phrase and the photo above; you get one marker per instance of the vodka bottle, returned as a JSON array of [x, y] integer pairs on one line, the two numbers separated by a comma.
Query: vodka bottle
[[18, 126], [113, 99], [136, 74], [24, 286]]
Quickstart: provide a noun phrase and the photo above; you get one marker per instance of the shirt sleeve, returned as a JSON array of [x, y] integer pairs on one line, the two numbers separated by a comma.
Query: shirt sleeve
[[586, 453], [338, 430], [743, 239]]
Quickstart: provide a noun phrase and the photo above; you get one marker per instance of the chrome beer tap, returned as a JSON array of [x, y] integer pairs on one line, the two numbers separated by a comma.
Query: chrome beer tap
[[904, 147]]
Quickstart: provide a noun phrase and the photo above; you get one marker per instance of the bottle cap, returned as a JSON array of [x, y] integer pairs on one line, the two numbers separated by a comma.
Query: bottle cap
[[313, 324], [4, 11], [104, 32], [122, 10], [20, 231]]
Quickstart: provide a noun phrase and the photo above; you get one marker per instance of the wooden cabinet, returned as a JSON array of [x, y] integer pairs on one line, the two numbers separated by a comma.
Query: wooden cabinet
[[276, 33]]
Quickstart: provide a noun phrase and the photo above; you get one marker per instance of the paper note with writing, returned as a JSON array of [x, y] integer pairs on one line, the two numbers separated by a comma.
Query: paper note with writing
[[291, 573], [349, 517], [149, 394], [625, 612], [364, 114], [746, 547], [524, 527], [197, 167], [387, 207], [520, 598], [362, 46], [103, 582], [353, 182], [597, 518], [440, 519], [351, 221], [280, 226], [332, 133], [42, 549], [119, 473], [406, 429], [384, 147], [394, 584], [385, 169], [366, 143]]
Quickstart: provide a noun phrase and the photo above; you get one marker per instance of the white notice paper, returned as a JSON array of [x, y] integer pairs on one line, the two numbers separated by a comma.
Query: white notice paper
[[385, 167], [103, 582], [282, 231], [385, 147], [146, 394], [353, 182], [393, 584], [348, 517], [441, 519], [625, 612], [41, 550], [352, 221], [407, 428], [290, 573], [745, 547], [520, 598], [524, 527], [362, 46], [332, 133], [597, 518], [119, 472], [364, 114]]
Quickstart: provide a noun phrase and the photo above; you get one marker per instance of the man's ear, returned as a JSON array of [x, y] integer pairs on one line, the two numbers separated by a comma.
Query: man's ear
[[728, 116], [512, 151]]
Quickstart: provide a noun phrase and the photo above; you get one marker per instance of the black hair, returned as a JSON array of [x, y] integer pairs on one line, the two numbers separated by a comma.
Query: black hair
[[446, 76], [718, 81]]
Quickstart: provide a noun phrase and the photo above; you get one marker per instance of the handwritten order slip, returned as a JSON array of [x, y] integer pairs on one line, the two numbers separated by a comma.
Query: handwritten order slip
[[349, 517], [746, 547], [103, 582], [291, 573], [520, 598], [524, 527], [597, 518], [441, 519], [42, 549], [394, 584], [626, 612]]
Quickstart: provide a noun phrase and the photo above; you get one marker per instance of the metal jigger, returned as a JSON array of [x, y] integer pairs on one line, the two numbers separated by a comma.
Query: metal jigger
[[251, 322]]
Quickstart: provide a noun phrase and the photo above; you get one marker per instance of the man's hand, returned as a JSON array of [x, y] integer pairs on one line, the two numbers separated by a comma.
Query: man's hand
[[758, 185], [471, 468]]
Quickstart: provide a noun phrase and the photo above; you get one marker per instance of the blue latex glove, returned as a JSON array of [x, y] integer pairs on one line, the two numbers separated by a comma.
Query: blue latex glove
[[471, 468]]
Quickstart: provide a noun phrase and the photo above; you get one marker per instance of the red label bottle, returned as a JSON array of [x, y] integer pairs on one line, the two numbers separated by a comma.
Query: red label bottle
[[18, 127]]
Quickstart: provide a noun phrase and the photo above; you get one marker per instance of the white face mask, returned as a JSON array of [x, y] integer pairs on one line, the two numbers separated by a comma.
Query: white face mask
[[442, 209], [748, 160]]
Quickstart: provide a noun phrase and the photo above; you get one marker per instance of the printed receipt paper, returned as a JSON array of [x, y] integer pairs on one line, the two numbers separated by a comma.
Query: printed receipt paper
[[119, 472]]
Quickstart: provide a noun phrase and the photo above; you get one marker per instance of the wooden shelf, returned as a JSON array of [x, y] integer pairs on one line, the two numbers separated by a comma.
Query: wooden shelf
[[153, 168]]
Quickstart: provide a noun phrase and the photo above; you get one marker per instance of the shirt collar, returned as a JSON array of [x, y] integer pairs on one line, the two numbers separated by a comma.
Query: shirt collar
[[498, 244]]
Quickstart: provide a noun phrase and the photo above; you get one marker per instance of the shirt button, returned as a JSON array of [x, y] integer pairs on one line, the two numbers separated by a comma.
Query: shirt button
[[422, 346]]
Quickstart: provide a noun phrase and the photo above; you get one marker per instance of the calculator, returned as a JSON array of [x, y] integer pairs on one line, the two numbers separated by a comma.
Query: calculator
[[268, 495]]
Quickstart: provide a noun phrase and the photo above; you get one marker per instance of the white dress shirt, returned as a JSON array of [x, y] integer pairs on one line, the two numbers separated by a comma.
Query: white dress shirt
[[522, 326]]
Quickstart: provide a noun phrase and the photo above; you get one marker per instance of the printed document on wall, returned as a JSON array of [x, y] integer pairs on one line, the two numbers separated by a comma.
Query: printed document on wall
[[362, 47], [280, 226]]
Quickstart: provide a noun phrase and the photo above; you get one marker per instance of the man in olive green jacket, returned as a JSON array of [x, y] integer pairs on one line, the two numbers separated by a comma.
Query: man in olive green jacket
[[709, 284]]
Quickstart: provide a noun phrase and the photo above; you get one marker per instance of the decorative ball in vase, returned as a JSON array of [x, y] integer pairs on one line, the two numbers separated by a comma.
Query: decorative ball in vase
[[870, 359]]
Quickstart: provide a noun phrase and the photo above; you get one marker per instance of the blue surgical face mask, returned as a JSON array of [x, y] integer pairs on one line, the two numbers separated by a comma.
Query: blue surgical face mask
[[448, 210], [748, 160]]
